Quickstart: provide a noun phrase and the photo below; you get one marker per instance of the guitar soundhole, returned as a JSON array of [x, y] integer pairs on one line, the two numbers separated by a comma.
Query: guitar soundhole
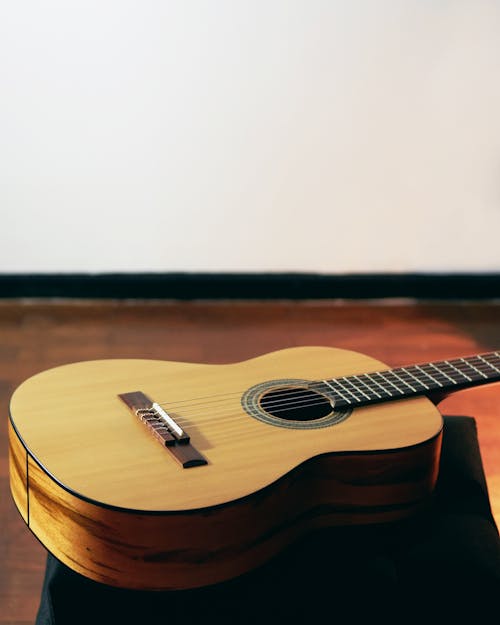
[[292, 403], [295, 404]]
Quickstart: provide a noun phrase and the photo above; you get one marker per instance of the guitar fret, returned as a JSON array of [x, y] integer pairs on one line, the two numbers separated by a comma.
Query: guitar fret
[[441, 370], [348, 380], [356, 377], [469, 363], [429, 375], [495, 356], [458, 370], [347, 389], [489, 363], [342, 396], [387, 380], [369, 376], [408, 372], [414, 380], [386, 386], [404, 381], [466, 370]]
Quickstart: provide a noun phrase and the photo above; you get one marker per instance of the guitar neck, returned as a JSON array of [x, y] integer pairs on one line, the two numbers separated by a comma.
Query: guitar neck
[[440, 377]]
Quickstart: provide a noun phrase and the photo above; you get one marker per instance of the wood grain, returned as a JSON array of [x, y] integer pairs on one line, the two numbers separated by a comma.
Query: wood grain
[[73, 423], [18, 472], [85, 445], [195, 548], [38, 335]]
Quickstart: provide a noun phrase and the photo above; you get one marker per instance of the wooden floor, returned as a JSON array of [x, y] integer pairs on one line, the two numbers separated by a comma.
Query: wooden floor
[[37, 335]]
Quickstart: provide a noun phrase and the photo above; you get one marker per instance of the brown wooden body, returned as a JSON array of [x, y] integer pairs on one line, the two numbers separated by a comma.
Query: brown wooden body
[[107, 500]]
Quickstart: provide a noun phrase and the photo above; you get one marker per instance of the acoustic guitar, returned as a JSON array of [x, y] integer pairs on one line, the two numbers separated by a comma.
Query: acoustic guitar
[[149, 474]]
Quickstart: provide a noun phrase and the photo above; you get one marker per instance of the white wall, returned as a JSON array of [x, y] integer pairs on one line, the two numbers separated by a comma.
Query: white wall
[[262, 135]]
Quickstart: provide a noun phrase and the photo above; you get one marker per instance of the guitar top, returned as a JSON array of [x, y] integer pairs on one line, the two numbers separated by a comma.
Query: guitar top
[[73, 423]]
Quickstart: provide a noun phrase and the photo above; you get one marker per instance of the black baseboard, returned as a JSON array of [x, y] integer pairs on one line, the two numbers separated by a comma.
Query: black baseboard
[[250, 286]]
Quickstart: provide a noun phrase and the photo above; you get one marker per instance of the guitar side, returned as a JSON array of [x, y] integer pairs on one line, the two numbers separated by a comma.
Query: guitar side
[[285, 483]]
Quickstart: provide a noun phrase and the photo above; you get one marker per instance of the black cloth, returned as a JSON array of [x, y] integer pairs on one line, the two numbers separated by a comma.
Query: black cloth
[[439, 567]]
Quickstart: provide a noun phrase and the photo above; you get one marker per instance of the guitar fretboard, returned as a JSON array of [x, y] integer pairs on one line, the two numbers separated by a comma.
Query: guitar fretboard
[[424, 379]]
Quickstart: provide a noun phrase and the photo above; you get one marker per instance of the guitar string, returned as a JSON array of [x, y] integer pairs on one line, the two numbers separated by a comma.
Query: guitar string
[[218, 398], [233, 420], [230, 420], [233, 413], [229, 411], [481, 366], [226, 396], [277, 403], [227, 419], [229, 405]]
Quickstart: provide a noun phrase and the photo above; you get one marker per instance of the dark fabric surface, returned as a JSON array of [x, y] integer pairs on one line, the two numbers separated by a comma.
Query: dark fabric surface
[[439, 567]]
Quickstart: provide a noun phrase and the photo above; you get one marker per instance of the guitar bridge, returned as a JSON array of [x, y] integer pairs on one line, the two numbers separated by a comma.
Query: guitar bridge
[[164, 428]]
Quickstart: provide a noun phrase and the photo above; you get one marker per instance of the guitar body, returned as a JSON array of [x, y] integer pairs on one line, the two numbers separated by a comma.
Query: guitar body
[[102, 495]]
